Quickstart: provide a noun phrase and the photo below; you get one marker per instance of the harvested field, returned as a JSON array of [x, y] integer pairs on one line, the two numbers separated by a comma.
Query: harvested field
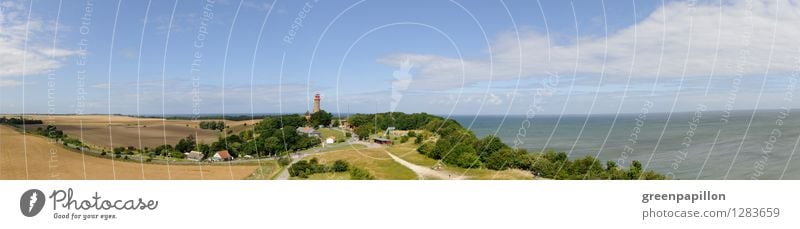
[[34, 157], [121, 131]]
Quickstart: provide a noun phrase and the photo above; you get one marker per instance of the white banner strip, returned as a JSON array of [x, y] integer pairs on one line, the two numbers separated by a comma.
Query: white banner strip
[[399, 204]]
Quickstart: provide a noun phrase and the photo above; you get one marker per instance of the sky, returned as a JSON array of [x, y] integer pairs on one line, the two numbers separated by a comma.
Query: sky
[[476, 57]]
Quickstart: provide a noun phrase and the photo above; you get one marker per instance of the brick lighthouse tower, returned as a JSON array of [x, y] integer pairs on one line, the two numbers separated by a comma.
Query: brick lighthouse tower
[[316, 102]]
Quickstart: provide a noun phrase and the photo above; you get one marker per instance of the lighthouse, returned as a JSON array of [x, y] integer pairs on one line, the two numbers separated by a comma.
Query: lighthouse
[[316, 102]]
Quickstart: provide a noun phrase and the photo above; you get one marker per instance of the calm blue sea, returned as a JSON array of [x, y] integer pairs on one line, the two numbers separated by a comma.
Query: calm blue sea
[[704, 145]]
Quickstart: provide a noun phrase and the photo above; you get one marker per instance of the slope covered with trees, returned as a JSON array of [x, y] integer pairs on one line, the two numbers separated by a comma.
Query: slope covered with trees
[[458, 146]]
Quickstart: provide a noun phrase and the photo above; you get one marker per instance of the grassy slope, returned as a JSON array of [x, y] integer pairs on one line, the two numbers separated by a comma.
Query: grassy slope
[[376, 161], [408, 152], [327, 132]]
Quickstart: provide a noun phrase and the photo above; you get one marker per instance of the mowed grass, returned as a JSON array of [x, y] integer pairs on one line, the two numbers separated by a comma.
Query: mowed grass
[[40, 159], [121, 131], [408, 152], [343, 146], [328, 132], [376, 161]]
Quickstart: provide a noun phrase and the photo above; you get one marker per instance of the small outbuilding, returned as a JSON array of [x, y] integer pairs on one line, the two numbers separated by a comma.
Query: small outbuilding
[[194, 155], [382, 141]]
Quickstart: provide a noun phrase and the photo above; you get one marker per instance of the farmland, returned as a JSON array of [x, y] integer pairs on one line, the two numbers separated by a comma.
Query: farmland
[[104, 131], [34, 157]]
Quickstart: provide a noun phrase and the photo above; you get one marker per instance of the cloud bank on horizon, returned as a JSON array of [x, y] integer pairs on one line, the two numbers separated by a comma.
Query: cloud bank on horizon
[[487, 57]]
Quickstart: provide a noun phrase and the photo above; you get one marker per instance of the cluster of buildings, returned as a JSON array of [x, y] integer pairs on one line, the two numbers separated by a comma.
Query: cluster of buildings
[[306, 130], [222, 155]]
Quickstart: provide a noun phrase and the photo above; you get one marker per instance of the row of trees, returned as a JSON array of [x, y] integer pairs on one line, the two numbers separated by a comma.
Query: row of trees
[[366, 124], [53, 132], [50, 131], [212, 125], [19, 121]]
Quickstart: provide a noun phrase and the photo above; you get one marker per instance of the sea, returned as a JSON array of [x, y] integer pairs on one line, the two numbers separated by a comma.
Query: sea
[[711, 145]]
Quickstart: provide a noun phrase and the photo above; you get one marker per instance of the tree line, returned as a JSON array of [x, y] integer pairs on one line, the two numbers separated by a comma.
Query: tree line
[[14, 121], [212, 125]]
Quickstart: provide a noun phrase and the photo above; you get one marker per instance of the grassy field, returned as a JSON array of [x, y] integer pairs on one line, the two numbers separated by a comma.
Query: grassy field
[[266, 171], [376, 161], [327, 132], [40, 159], [121, 131], [237, 127]]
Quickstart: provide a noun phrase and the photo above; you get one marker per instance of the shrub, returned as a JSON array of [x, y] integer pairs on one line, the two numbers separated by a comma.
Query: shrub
[[300, 169], [462, 156], [340, 166], [360, 174], [426, 149], [284, 161]]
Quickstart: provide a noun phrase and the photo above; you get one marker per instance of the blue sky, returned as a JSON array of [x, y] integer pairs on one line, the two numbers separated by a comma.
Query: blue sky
[[459, 57]]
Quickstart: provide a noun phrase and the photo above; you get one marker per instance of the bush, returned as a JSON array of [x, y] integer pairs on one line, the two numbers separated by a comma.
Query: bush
[[284, 161], [507, 158], [426, 149], [300, 169], [418, 139], [462, 156], [360, 174], [340, 166]]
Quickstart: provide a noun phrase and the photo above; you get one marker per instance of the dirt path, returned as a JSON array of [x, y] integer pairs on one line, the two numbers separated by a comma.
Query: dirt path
[[423, 172]]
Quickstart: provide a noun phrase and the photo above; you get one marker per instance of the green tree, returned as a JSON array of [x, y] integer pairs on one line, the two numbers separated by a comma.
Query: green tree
[[364, 131], [489, 145], [340, 166], [321, 118], [463, 156], [187, 144]]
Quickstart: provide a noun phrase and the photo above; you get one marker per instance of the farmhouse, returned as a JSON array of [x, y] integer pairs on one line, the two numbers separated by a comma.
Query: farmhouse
[[308, 131], [222, 156], [194, 155]]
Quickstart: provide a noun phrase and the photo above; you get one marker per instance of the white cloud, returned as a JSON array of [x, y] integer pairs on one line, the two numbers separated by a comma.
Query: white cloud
[[39, 57], [745, 38]]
